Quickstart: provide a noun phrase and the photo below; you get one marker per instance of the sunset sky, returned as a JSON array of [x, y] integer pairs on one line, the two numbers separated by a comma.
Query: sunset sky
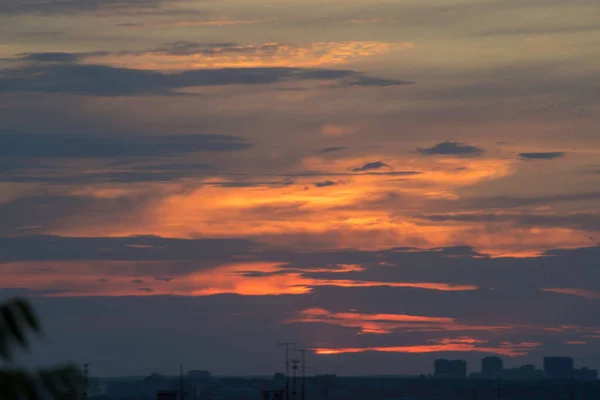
[[387, 183]]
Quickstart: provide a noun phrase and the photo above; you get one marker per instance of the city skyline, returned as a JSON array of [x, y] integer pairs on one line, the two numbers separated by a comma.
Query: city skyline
[[190, 182], [468, 371]]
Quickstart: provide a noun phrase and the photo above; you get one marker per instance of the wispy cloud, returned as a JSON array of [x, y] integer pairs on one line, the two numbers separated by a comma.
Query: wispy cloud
[[96, 7], [195, 55], [370, 166], [383, 323], [100, 80], [508, 349], [588, 294], [185, 23], [541, 155], [452, 148]]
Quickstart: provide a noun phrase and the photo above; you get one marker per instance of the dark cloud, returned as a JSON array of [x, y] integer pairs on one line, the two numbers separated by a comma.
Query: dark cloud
[[45, 212], [582, 221], [325, 183], [344, 78], [52, 57], [68, 7], [331, 149], [452, 266], [104, 177], [184, 48], [371, 166], [452, 148], [504, 202], [58, 171], [462, 266], [541, 156], [100, 80], [364, 80], [343, 174], [84, 145], [134, 248]]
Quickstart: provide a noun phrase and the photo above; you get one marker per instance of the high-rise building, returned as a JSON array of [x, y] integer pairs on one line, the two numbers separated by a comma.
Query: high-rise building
[[585, 374], [558, 367], [523, 373], [450, 368], [492, 367]]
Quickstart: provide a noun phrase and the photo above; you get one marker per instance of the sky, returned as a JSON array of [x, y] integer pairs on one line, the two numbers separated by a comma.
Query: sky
[[385, 183]]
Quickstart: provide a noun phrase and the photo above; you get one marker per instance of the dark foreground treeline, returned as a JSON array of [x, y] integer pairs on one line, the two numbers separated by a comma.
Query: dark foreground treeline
[[346, 388]]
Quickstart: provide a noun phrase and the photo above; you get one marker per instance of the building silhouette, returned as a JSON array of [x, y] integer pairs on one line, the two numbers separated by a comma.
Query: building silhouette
[[492, 367], [558, 367], [585, 374], [450, 368], [526, 372]]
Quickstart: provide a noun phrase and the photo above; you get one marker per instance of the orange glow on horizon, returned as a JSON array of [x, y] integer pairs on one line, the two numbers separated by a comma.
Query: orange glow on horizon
[[512, 350]]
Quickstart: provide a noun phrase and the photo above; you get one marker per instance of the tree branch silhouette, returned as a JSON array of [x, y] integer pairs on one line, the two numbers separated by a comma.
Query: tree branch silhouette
[[18, 321]]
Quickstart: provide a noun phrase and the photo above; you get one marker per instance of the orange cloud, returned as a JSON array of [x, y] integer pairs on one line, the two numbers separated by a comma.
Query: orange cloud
[[214, 22], [116, 278], [588, 294], [387, 323], [247, 56], [373, 209], [510, 350]]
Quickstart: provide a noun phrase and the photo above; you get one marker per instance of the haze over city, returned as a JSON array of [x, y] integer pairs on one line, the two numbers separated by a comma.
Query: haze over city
[[387, 183]]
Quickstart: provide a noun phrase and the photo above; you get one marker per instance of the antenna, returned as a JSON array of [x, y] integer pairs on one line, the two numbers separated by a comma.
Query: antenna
[[303, 376], [181, 395], [294, 368], [84, 394], [287, 366]]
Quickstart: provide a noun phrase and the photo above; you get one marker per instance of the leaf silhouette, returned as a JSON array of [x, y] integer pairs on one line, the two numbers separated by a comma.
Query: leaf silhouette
[[17, 320]]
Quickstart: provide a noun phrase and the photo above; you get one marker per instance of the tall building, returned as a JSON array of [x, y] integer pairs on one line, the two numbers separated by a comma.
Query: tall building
[[585, 374], [558, 367], [523, 373], [450, 368], [492, 367]]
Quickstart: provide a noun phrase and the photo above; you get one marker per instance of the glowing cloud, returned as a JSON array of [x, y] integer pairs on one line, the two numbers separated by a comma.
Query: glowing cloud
[[114, 278], [197, 56], [588, 294], [197, 22], [508, 349], [388, 323], [364, 212]]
